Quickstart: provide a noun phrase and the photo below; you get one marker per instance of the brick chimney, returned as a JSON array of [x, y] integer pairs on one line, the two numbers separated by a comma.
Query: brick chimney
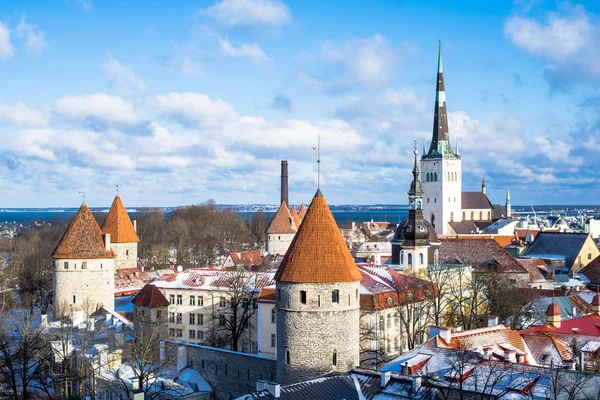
[[284, 182], [492, 320]]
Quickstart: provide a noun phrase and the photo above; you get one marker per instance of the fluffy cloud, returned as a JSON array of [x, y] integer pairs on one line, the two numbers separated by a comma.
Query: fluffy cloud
[[252, 51], [248, 12], [194, 108], [6, 48], [122, 78], [97, 108], [21, 115], [566, 42], [33, 37]]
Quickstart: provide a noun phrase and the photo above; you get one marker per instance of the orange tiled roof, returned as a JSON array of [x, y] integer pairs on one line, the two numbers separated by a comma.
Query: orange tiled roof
[[295, 217], [282, 221], [318, 253], [302, 212], [83, 238], [150, 296], [267, 295], [118, 224]]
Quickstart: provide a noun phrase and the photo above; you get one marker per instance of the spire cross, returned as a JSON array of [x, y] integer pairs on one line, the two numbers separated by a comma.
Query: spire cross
[[318, 149], [82, 193], [117, 188]]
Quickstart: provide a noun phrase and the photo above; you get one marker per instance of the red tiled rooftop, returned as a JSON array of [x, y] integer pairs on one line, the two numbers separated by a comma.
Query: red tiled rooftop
[[118, 224]]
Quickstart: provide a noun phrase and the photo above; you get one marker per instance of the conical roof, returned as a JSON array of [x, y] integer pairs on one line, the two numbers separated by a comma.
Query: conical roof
[[83, 238], [282, 221], [150, 296], [318, 253], [118, 224], [295, 217]]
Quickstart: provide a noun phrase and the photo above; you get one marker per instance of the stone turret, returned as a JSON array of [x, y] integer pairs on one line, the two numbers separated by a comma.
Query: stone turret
[[553, 314], [317, 301], [151, 308], [123, 235], [83, 267]]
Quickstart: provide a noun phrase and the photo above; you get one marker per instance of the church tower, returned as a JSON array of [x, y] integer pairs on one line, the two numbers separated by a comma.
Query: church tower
[[441, 166], [83, 273], [414, 238], [508, 205], [123, 236], [317, 301]]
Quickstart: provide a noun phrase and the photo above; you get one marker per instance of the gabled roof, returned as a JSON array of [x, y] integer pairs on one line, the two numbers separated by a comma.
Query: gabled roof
[[150, 296], [318, 253], [282, 221], [558, 243], [532, 266], [584, 325], [246, 258], [83, 238], [468, 226], [479, 253], [118, 224], [475, 200], [592, 270]]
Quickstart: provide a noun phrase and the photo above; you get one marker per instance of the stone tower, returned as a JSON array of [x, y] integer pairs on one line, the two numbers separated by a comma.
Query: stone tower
[[123, 236], [441, 167], [83, 269], [151, 308], [318, 300], [415, 244]]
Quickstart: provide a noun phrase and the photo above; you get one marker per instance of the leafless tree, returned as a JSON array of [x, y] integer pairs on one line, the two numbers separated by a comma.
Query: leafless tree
[[369, 334]]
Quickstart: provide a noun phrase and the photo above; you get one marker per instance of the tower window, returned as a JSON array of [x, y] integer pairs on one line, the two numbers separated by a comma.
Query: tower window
[[303, 296], [464, 216], [472, 215], [126, 252], [428, 200], [435, 176], [348, 298], [66, 265], [74, 299], [84, 265], [409, 259], [421, 259], [480, 215], [435, 199], [334, 360], [335, 296], [287, 357], [273, 313], [319, 300], [401, 256]]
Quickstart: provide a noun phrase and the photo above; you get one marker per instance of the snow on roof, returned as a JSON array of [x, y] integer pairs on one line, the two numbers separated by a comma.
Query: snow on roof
[[211, 279]]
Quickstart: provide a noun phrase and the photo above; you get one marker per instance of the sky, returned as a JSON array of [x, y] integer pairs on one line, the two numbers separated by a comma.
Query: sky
[[181, 102]]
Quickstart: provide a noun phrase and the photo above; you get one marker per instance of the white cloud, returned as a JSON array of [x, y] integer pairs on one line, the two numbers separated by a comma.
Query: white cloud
[[251, 51], [21, 115], [33, 36], [405, 98], [194, 107], [6, 48], [249, 12], [122, 78], [98, 107], [566, 42]]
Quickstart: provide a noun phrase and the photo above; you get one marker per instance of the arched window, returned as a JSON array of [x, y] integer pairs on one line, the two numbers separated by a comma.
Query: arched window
[[489, 216], [436, 257], [421, 259], [433, 219], [452, 217], [334, 358], [464, 216], [472, 215], [427, 177], [435, 176], [409, 259], [419, 205], [401, 256], [456, 176], [480, 215]]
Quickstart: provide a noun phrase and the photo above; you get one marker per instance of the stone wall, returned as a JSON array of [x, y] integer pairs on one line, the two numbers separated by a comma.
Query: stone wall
[[125, 255], [82, 286], [313, 332], [229, 373], [278, 243]]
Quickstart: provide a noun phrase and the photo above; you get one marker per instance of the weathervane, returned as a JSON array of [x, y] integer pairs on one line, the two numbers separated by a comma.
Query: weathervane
[[82, 193], [318, 149], [117, 189]]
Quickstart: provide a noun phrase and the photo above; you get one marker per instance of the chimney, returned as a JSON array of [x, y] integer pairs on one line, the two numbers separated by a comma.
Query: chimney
[[385, 378], [261, 385], [581, 361], [457, 329], [274, 389], [181, 358], [445, 332], [284, 182], [487, 352], [509, 355], [135, 225], [492, 320], [107, 241], [416, 383]]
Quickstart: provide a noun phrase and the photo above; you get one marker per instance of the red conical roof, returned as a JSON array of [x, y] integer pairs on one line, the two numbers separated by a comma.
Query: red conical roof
[[302, 212], [118, 224], [295, 217], [83, 238], [150, 296], [553, 309], [282, 221], [318, 253]]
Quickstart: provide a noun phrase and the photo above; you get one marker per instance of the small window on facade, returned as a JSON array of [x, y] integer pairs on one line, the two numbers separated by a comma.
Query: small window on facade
[[589, 256], [303, 296], [179, 332], [192, 334], [273, 313], [74, 299], [84, 265], [126, 252], [221, 320], [421, 259], [287, 357], [192, 319], [480, 215], [464, 216], [409, 259], [201, 301], [335, 296], [158, 314], [356, 294], [319, 300], [436, 257], [179, 299], [66, 265], [171, 317], [178, 318], [334, 360], [472, 215], [273, 339], [192, 300], [279, 237], [348, 298], [171, 299], [222, 302]]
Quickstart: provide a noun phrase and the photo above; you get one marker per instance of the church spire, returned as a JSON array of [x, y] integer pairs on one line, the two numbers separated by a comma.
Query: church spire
[[440, 140], [415, 194], [508, 205]]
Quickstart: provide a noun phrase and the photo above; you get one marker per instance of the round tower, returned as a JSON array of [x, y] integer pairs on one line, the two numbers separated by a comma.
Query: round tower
[[83, 268], [151, 308], [123, 235], [553, 314], [318, 301]]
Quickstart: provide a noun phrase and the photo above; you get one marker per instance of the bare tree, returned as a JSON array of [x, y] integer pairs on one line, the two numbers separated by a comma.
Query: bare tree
[[371, 333]]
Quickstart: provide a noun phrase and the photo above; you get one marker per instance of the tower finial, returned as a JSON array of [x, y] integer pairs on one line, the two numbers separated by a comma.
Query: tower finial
[[117, 189], [440, 63], [82, 193], [318, 149]]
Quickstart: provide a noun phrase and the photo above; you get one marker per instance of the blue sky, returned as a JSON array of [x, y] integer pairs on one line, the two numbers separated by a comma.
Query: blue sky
[[184, 101]]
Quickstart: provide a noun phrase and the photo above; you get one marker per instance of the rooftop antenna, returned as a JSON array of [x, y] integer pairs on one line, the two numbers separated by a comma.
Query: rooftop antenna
[[82, 193], [318, 149]]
